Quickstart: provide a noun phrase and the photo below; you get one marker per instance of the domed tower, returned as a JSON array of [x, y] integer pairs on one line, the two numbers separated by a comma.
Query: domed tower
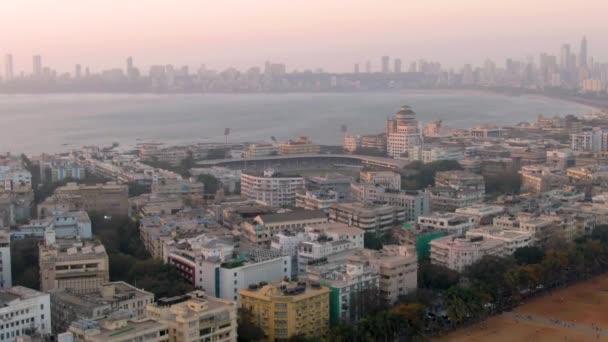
[[402, 132]]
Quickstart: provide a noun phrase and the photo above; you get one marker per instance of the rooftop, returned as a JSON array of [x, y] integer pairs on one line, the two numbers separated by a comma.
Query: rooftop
[[294, 215]]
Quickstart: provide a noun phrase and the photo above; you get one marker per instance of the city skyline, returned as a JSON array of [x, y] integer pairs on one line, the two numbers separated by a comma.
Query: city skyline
[[302, 35], [567, 56]]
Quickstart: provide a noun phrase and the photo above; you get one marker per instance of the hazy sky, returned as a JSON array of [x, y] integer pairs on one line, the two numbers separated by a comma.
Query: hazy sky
[[333, 34]]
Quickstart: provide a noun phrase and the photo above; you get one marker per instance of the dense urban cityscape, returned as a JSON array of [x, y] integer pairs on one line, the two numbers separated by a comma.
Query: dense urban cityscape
[[303, 171], [291, 240], [571, 71]]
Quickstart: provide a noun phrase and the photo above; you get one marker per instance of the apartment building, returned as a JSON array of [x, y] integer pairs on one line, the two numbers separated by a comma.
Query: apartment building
[[336, 182], [397, 268], [24, 311], [369, 217], [449, 223], [316, 200], [329, 242], [72, 264], [73, 224], [119, 326], [271, 188], [109, 198], [481, 214], [196, 316], [512, 239], [414, 203], [350, 284], [260, 230], [287, 309], [457, 253], [6, 275], [261, 150], [303, 145], [388, 179]]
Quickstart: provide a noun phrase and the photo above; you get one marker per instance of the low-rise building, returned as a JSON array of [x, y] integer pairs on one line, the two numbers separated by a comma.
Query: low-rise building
[[120, 326], [460, 180], [24, 311], [457, 253], [287, 309], [539, 178], [429, 153], [369, 217], [196, 317], [271, 188], [68, 307], [336, 182]]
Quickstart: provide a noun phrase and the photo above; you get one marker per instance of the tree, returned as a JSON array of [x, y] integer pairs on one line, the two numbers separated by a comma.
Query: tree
[[436, 277], [529, 255], [419, 175], [246, 330], [503, 183], [212, 184], [24, 262], [217, 153]]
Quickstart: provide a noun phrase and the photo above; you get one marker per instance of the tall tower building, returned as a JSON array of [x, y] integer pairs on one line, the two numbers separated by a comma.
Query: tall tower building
[[397, 68], [8, 67], [356, 68], [385, 67], [129, 70], [402, 132], [564, 57], [368, 67], [78, 71], [37, 65], [582, 58]]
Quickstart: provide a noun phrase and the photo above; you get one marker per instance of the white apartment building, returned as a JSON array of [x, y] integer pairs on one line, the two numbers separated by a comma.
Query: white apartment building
[[69, 224], [402, 132], [429, 154], [450, 223], [414, 203], [457, 253], [328, 243], [6, 275], [262, 228], [481, 213], [367, 216], [271, 188], [594, 140], [512, 239], [22, 311], [388, 179], [14, 177]]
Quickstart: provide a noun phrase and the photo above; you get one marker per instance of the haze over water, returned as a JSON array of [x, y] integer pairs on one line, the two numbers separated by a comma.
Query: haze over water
[[51, 123]]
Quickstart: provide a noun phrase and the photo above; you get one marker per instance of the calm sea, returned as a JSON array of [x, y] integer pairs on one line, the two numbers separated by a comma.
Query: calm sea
[[52, 123]]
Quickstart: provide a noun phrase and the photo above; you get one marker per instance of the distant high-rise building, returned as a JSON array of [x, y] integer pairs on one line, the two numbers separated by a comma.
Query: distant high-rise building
[[412, 67], [582, 57], [129, 70], [368, 67], [37, 65], [8, 67], [78, 71], [385, 67], [565, 57], [356, 68], [397, 68]]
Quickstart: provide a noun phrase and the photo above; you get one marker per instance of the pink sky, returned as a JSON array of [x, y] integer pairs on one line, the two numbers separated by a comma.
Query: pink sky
[[332, 34]]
